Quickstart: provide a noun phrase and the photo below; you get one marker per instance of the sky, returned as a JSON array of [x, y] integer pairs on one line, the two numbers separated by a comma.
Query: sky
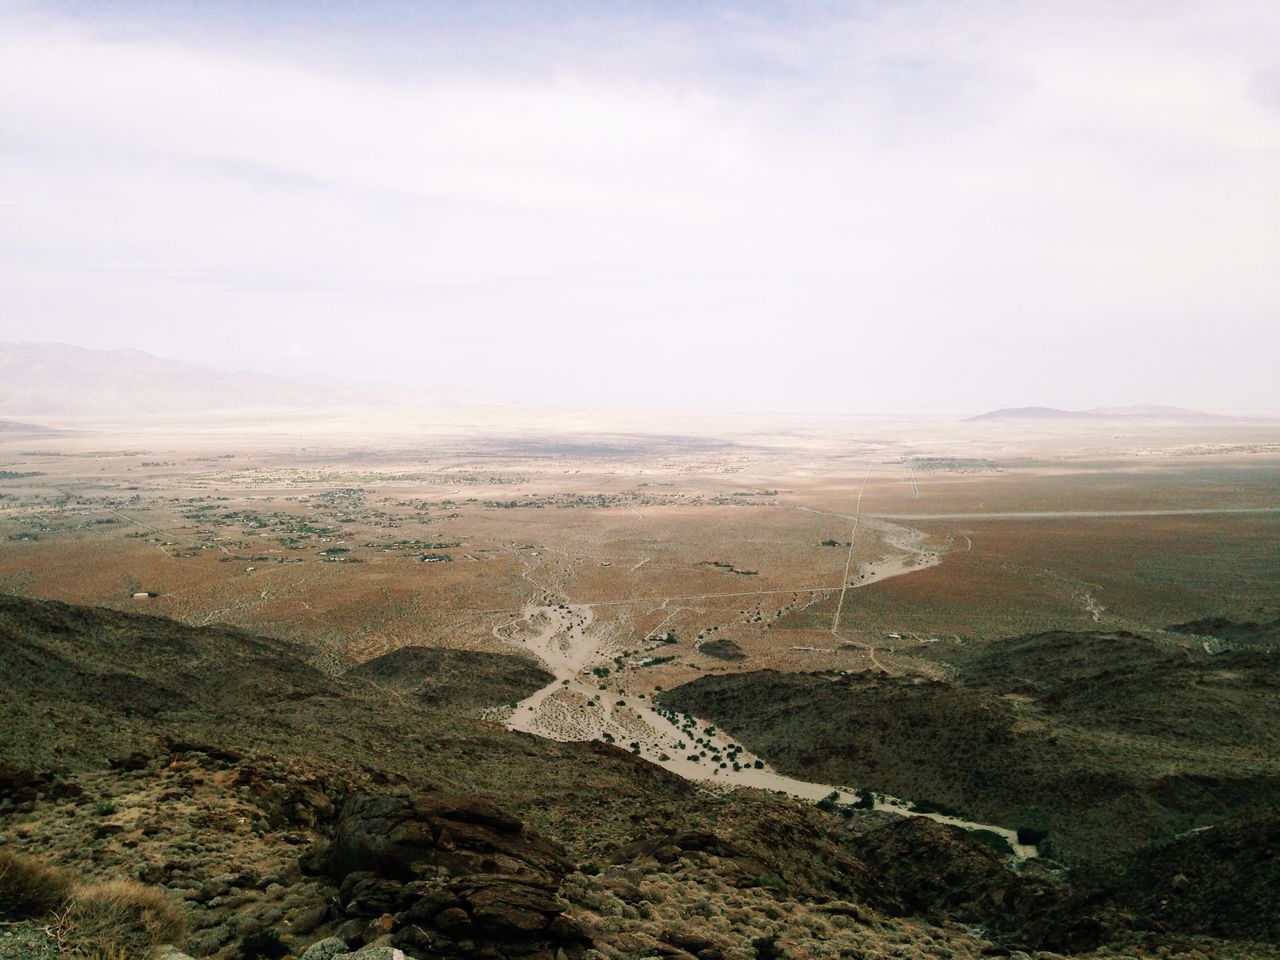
[[830, 207]]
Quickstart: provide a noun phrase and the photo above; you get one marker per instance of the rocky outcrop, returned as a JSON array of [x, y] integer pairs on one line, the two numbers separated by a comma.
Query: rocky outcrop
[[439, 877], [405, 837]]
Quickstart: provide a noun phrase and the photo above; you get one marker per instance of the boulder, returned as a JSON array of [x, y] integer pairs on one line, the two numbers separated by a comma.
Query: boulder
[[410, 837], [370, 897], [447, 874], [507, 906]]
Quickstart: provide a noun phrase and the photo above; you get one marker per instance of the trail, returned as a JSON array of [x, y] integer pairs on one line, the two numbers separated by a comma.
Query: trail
[[585, 700], [848, 560]]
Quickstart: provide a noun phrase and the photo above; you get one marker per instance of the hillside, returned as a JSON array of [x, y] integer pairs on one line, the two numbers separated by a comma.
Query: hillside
[[1233, 633], [462, 678], [1107, 742], [266, 797]]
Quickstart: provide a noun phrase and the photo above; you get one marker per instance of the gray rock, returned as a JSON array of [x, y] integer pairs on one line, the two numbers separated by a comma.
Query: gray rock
[[305, 917], [327, 949], [374, 953]]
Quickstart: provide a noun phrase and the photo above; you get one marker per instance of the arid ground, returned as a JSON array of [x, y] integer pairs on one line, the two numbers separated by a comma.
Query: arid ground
[[1060, 641]]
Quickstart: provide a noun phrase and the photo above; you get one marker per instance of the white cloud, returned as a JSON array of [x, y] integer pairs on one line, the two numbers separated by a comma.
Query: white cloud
[[726, 204]]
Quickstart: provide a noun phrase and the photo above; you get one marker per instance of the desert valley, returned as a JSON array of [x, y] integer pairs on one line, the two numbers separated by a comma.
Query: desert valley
[[581, 480], [913, 686]]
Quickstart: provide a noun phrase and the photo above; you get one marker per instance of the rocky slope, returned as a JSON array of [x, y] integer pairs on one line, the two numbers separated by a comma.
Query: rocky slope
[[1107, 742], [290, 811], [462, 678]]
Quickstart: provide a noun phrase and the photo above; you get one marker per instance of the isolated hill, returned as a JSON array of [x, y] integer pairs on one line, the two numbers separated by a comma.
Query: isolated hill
[[1137, 412], [463, 678], [46, 379]]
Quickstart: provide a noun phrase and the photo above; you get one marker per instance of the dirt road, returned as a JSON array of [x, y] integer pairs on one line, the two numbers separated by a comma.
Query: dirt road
[[584, 703]]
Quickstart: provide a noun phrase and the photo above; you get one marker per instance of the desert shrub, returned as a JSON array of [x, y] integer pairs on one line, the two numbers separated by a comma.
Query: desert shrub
[[989, 838], [933, 806], [30, 888], [119, 918], [1031, 836], [767, 948], [263, 945], [830, 802]]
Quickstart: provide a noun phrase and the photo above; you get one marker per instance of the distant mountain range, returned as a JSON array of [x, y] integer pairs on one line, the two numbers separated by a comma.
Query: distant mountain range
[[59, 380], [1139, 412], [18, 428]]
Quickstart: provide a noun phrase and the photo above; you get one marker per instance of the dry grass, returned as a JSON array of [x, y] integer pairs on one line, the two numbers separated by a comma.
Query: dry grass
[[119, 920], [29, 888]]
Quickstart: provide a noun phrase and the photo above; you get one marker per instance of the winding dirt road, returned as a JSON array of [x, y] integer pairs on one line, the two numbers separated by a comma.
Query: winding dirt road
[[583, 703]]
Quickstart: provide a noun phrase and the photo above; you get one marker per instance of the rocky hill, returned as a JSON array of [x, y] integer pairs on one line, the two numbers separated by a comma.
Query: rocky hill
[[1107, 743]]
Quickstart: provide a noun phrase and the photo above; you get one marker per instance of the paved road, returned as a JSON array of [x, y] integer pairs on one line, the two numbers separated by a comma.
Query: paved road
[[1070, 514]]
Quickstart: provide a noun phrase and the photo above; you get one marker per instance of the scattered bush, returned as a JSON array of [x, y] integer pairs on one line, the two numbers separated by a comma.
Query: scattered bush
[[995, 841], [933, 806], [29, 888], [119, 919]]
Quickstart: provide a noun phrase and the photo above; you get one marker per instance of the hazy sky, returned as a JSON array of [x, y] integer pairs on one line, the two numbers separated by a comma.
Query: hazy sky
[[835, 206]]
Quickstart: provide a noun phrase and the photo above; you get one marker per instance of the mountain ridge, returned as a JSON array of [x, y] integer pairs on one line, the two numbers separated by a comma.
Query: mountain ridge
[[1133, 412], [62, 380]]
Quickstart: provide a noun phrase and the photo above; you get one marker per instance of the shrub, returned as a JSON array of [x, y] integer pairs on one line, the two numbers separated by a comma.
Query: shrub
[[29, 888], [263, 945], [989, 838], [829, 802], [119, 918], [933, 806], [1030, 836]]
